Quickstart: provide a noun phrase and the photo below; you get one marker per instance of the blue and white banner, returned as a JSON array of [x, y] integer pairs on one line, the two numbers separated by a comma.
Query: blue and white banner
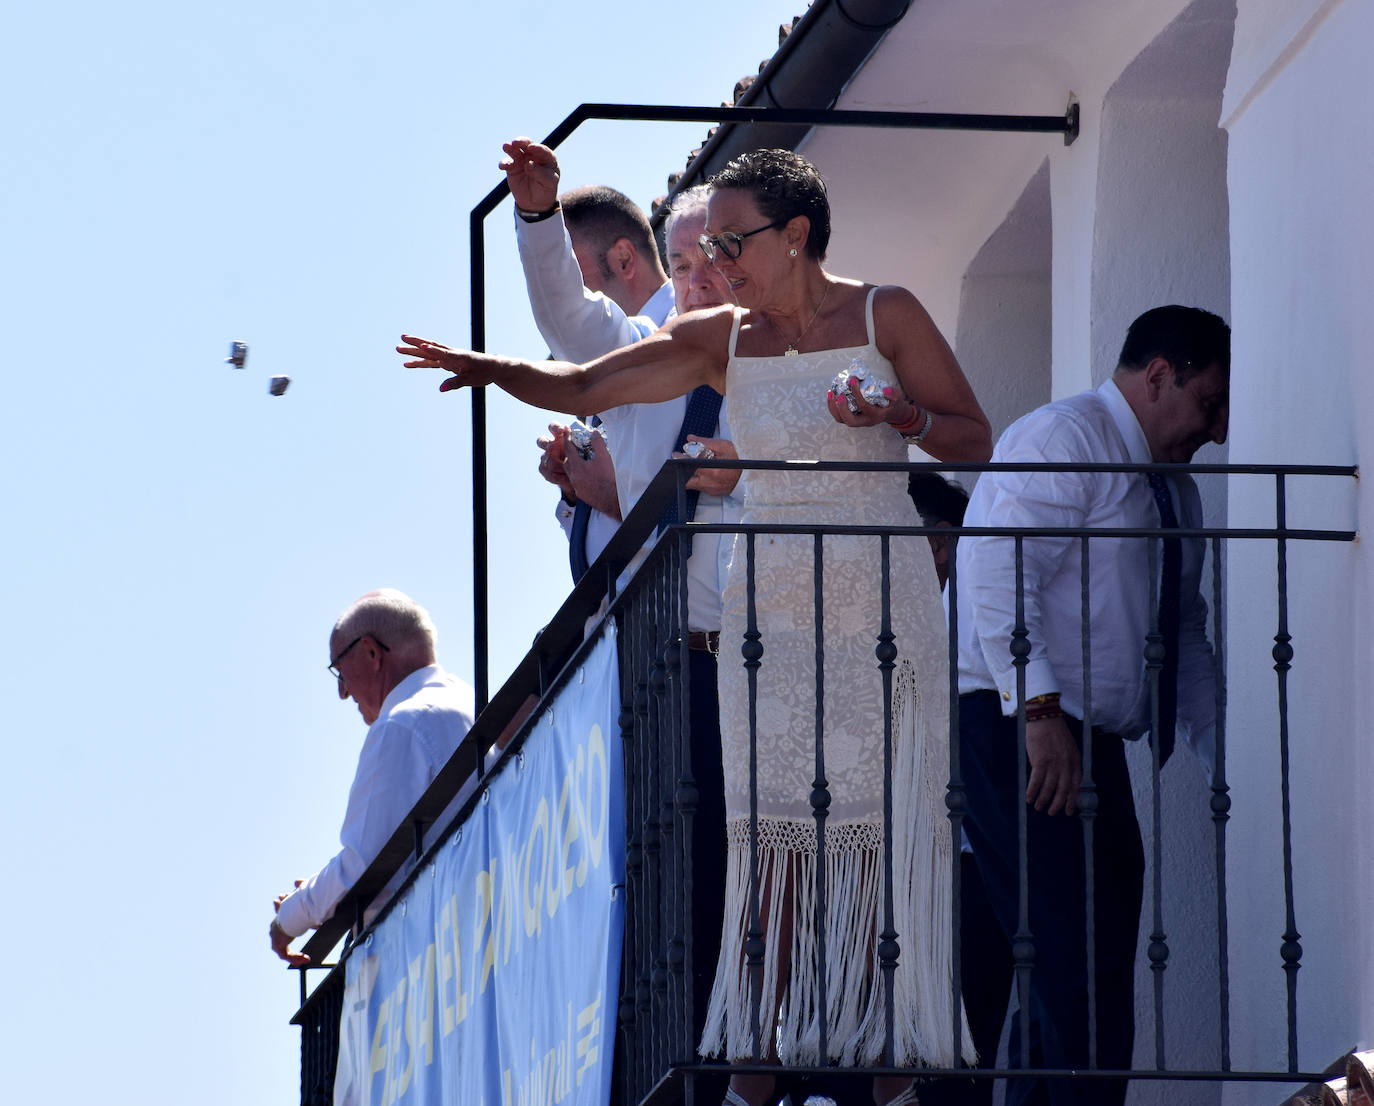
[[494, 982]]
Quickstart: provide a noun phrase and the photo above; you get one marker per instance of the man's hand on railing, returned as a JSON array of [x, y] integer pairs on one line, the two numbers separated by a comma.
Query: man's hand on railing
[[1056, 768], [281, 940]]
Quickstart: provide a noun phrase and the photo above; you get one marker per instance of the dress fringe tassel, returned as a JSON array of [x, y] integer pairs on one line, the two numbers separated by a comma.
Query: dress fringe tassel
[[855, 1004]]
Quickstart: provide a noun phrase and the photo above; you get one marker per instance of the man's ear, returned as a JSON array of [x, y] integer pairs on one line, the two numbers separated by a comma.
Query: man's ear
[[371, 650], [623, 259], [1159, 374]]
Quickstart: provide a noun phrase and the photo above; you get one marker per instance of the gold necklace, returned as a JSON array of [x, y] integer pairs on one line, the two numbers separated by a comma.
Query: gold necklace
[[791, 350]]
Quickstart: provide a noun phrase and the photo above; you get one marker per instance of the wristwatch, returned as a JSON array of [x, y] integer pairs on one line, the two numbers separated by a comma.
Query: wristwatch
[[920, 435]]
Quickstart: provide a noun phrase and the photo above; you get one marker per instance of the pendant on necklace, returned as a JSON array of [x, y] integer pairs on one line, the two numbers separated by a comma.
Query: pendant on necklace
[[790, 351]]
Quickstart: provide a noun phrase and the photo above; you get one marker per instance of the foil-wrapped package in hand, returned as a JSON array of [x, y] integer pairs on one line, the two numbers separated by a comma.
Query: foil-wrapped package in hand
[[858, 378], [583, 438]]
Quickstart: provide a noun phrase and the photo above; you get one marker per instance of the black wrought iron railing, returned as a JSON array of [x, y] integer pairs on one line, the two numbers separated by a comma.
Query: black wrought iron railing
[[655, 972], [659, 1015]]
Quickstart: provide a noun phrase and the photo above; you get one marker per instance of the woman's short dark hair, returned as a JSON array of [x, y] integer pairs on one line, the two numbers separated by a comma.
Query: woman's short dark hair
[[783, 185]]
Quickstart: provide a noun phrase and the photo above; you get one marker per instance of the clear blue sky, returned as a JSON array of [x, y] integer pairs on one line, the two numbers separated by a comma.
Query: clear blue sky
[[177, 542]]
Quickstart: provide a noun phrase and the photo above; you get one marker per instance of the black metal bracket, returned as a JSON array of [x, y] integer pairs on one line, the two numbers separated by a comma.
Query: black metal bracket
[[1066, 124]]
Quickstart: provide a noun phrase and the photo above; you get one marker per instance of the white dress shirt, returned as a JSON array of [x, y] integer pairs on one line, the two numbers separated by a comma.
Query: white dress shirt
[[578, 324], [581, 325], [420, 724], [1092, 427]]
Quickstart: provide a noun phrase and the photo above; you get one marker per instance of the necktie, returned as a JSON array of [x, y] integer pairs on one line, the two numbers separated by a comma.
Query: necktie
[[1169, 587], [577, 540], [577, 535], [701, 417]]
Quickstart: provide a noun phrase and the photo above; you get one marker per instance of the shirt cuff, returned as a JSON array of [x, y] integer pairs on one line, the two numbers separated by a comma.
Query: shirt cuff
[[292, 916], [548, 234], [1040, 680], [563, 511]]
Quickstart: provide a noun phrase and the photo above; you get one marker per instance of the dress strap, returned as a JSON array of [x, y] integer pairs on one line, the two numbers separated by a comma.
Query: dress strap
[[868, 315], [734, 329]]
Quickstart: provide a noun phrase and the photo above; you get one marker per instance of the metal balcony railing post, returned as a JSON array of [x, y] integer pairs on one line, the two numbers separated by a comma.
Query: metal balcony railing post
[[956, 802], [752, 652], [1221, 807], [1291, 949], [820, 795], [1087, 804], [1158, 950], [889, 948], [1023, 943]]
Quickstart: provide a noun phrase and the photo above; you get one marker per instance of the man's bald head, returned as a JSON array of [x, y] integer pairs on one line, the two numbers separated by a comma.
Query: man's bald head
[[376, 643]]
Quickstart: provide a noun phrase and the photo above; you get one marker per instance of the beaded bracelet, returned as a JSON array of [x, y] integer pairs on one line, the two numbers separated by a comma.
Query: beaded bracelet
[[1042, 707]]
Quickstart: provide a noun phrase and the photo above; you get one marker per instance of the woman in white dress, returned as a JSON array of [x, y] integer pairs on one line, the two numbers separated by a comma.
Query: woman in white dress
[[768, 226]]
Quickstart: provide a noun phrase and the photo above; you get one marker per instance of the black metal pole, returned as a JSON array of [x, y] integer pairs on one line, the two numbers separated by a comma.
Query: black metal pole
[[480, 657]]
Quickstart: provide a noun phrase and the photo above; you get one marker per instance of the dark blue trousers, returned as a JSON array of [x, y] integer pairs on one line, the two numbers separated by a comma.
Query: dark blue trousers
[[1058, 906]]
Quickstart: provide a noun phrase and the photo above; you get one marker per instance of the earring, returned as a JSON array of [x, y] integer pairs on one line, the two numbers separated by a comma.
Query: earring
[[792, 252]]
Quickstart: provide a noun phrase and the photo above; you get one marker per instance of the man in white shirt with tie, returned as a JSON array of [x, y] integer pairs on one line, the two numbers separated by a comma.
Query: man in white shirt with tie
[[1167, 397]]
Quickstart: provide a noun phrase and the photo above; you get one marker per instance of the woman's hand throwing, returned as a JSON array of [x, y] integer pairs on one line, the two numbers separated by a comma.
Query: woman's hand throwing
[[469, 369]]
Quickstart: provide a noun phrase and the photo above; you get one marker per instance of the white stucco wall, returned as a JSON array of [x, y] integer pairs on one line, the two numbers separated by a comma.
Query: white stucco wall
[[1003, 335], [1299, 113]]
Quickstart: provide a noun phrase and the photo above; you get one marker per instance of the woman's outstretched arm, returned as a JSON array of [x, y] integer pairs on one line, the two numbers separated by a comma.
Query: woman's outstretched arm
[[689, 351]]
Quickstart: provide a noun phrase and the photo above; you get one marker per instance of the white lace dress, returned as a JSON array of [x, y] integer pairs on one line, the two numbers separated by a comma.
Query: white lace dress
[[777, 409]]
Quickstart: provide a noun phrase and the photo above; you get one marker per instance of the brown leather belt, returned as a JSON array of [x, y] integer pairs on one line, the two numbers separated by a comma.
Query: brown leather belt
[[704, 641]]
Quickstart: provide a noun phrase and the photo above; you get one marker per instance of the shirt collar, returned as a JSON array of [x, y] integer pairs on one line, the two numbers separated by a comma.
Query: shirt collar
[[659, 306], [409, 686], [1137, 448]]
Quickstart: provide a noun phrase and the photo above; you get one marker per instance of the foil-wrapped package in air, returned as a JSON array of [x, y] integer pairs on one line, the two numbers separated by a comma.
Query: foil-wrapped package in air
[[583, 438], [238, 354], [859, 377], [278, 385], [698, 451]]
